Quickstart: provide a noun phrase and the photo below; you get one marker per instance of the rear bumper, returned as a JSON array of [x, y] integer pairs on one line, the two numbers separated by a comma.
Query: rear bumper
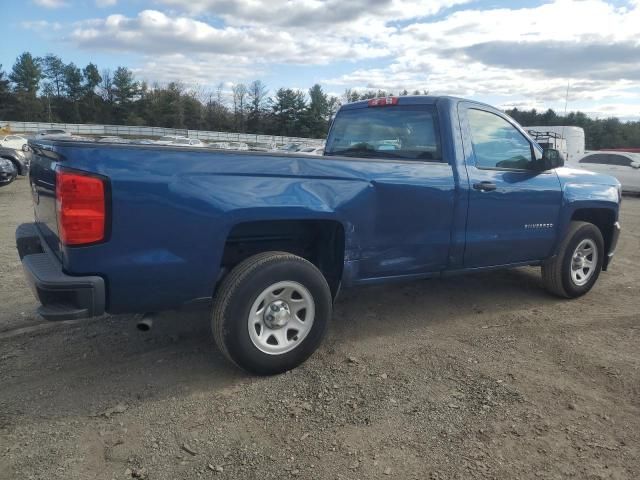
[[62, 296], [615, 235]]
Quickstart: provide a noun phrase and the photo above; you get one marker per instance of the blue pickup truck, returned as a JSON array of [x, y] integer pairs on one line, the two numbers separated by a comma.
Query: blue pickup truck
[[407, 188]]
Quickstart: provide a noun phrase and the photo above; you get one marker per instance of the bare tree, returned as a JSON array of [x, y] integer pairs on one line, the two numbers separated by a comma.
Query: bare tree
[[258, 98], [106, 86], [239, 91]]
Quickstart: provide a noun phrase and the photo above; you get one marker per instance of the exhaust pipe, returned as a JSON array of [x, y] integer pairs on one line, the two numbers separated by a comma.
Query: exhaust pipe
[[145, 323]]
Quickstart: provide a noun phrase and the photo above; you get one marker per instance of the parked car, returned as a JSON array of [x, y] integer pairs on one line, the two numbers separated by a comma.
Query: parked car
[[219, 145], [112, 139], [290, 147], [19, 158], [52, 132], [409, 187], [262, 147], [312, 150], [14, 141], [624, 166], [8, 172], [168, 139], [241, 146], [187, 142]]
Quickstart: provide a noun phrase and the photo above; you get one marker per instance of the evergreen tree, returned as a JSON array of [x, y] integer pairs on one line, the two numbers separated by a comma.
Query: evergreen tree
[[317, 114], [54, 72], [25, 76], [91, 104], [124, 90], [92, 78], [288, 108], [6, 99]]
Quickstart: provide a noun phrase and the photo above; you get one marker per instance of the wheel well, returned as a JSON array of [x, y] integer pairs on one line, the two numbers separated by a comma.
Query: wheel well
[[319, 241], [603, 218]]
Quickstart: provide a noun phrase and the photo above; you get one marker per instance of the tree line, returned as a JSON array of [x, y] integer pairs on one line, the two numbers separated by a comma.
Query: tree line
[[46, 89]]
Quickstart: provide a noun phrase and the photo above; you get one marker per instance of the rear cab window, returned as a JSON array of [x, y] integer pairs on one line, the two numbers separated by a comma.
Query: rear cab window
[[405, 132]]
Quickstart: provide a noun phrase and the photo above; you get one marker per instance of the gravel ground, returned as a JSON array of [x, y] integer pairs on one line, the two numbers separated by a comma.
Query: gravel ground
[[484, 376]]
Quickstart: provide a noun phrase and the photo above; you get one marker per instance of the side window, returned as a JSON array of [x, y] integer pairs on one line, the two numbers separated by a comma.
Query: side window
[[620, 160], [497, 143], [601, 158]]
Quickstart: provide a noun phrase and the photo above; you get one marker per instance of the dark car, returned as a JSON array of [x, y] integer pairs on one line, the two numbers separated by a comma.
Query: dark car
[[18, 158], [8, 172]]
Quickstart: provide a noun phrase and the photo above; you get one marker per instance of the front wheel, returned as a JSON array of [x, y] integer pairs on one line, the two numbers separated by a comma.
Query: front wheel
[[576, 268], [271, 312]]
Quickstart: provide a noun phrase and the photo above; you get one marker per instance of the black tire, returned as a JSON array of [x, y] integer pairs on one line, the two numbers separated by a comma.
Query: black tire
[[236, 296], [556, 273]]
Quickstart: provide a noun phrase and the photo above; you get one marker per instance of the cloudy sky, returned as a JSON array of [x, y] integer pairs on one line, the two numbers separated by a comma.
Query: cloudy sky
[[519, 53]]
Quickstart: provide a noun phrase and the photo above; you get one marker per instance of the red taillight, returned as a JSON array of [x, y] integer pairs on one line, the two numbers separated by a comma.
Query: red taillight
[[383, 101], [80, 206]]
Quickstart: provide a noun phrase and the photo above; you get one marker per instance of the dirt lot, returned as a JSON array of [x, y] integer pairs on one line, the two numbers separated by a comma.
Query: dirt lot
[[484, 376]]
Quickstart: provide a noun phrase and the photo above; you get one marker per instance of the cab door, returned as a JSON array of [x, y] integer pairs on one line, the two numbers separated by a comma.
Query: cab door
[[513, 206]]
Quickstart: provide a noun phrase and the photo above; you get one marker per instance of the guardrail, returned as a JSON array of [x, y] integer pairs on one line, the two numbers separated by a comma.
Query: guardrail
[[140, 131]]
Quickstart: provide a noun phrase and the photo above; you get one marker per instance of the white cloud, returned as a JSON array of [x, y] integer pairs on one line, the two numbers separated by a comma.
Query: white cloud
[[515, 55], [305, 13], [50, 3], [106, 3], [153, 32], [201, 69], [525, 54], [40, 25]]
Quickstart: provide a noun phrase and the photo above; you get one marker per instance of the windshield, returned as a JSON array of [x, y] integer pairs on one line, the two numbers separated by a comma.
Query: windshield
[[403, 131]]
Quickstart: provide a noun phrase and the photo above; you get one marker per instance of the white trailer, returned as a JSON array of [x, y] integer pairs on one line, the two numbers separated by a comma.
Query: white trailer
[[573, 140]]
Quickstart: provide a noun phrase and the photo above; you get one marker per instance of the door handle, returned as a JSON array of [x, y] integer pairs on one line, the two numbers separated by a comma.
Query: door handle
[[485, 186]]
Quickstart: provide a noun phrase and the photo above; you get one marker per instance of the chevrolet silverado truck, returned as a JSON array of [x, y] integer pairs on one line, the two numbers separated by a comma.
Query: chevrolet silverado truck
[[407, 188]]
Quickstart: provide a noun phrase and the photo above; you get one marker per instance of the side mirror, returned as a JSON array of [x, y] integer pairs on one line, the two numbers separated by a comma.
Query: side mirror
[[551, 158]]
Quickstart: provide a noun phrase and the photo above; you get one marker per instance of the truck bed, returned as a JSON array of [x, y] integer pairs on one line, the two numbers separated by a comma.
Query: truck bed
[[173, 210]]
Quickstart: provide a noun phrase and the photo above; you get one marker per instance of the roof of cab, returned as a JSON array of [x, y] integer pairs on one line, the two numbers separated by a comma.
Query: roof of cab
[[415, 100]]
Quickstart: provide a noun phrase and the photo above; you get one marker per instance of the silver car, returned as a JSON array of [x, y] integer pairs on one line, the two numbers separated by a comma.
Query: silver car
[[625, 166], [52, 132]]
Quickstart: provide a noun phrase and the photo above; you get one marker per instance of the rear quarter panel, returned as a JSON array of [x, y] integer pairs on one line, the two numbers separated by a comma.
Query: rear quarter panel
[[173, 209]]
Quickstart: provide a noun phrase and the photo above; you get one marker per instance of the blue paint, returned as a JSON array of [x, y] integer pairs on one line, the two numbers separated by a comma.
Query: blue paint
[[172, 210]]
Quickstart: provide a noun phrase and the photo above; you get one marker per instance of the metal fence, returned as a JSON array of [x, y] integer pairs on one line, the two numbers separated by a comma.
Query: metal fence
[[150, 132]]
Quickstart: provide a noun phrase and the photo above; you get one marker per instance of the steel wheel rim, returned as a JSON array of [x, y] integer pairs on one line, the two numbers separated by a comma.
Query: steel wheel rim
[[584, 262], [281, 317]]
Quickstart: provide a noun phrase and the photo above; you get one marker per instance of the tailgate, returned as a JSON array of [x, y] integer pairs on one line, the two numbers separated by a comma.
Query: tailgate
[[42, 177]]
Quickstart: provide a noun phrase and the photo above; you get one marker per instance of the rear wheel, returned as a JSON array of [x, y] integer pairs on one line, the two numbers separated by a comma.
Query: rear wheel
[[271, 312], [576, 268]]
